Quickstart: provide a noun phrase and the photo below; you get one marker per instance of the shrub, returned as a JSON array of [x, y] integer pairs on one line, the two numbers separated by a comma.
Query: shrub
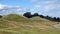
[[27, 14]]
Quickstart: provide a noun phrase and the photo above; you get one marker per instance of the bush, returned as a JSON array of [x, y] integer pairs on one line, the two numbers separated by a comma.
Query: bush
[[0, 16], [27, 14], [35, 14], [42, 16]]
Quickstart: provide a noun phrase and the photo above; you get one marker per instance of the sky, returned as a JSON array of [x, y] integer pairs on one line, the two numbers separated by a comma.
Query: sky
[[44, 7]]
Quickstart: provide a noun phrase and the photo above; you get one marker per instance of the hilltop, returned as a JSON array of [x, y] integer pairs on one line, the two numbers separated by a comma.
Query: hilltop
[[17, 24]]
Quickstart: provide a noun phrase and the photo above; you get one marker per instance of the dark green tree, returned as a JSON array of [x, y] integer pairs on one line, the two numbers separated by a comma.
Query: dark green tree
[[27, 14]]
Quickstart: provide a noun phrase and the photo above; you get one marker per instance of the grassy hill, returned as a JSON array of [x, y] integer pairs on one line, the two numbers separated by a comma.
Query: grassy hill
[[16, 24], [15, 17]]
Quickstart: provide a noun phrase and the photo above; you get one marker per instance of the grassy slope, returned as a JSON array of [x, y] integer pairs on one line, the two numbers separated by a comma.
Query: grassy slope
[[15, 24]]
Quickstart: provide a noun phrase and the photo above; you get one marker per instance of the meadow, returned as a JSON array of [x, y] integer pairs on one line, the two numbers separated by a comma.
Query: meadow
[[17, 24]]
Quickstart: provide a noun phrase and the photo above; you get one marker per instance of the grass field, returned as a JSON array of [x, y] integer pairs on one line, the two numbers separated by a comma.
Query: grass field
[[16, 24]]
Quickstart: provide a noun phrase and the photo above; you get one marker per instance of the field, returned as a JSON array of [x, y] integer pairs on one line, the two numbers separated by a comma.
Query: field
[[16, 24]]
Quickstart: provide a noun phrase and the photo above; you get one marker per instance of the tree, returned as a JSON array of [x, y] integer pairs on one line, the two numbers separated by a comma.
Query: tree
[[48, 17], [35, 14], [54, 19], [42, 16], [58, 19], [0, 16], [27, 14]]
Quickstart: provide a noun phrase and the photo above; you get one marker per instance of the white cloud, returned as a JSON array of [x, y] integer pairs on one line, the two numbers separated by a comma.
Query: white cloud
[[46, 5], [49, 6], [7, 9], [1, 6]]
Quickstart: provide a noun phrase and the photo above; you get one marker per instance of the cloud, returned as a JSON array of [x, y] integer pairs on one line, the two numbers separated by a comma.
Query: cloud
[[46, 5], [7, 9], [1, 6]]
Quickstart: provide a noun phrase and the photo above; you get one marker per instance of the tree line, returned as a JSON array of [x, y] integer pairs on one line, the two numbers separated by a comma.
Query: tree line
[[29, 15]]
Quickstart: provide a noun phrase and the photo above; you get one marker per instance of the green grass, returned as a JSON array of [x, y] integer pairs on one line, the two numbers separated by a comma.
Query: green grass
[[57, 26], [16, 24], [42, 20], [3, 31], [15, 17]]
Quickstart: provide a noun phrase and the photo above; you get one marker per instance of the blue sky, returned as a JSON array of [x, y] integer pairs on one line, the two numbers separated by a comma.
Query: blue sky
[[44, 7], [23, 3]]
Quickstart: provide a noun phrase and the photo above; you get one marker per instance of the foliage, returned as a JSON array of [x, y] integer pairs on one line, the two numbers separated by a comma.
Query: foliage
[[0, 16], [29, 15]]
